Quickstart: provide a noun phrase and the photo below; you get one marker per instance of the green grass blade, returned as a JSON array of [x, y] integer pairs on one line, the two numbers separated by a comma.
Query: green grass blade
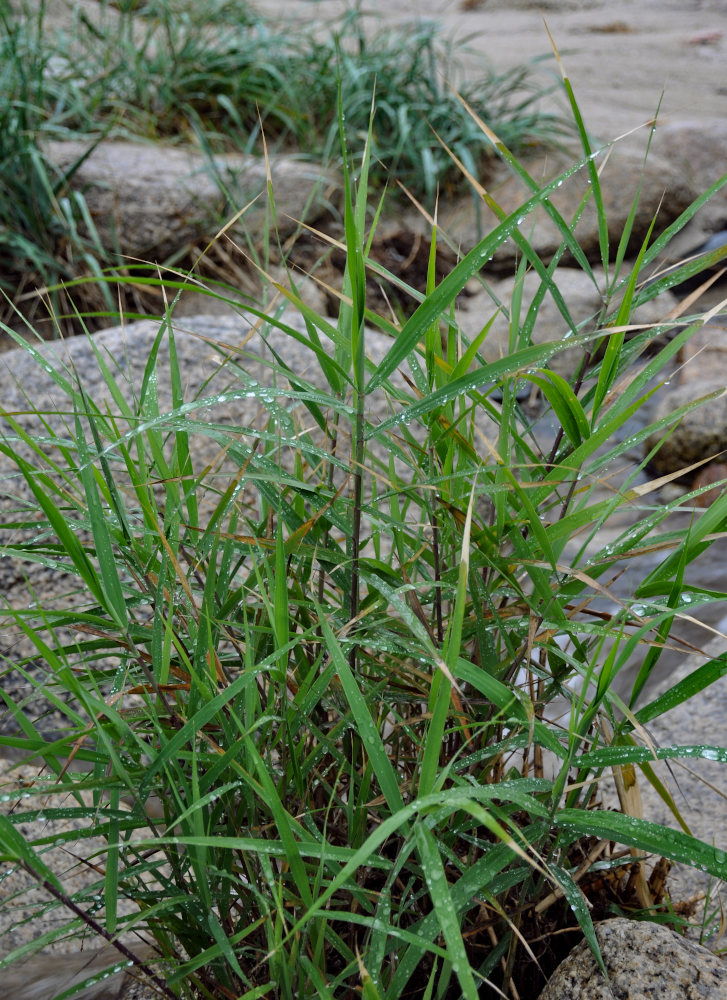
[[566, 406], [14, 847], [441, 687], [434, 305], [697, 681], [444, 908], [111, 877], [579, 906], [645, 836], [108, 570], [365, 725]]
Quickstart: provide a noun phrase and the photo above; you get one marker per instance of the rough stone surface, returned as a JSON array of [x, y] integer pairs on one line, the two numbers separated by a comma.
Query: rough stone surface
[[704, 355], [549, 5], [620, 56], [696, 150], [697, 785], [664, 191], [644, 962], [126, 349], [151, 200], [713, 475], [64, 962], [34, 980], [688, 242], [582, 296], [701, 433]]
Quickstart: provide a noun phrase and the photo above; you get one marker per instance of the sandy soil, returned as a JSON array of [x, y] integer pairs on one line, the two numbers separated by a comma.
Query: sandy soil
[[619, 55]]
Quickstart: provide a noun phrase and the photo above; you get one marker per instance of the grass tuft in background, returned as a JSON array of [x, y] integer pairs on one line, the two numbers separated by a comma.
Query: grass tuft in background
[[212, 76]]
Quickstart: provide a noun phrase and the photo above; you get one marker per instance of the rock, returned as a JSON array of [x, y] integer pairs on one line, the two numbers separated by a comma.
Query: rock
[[693, 241], [126, 349], [665, 193], [140, 991], [46, 975], [703, 356], [701, 433], [150, 201], [582, 297], [643, 960], [714, 475], [234, 300], [717, 241], [696, 150], [696, 785]]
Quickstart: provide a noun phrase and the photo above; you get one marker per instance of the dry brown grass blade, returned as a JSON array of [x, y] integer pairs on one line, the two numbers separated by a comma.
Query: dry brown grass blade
[[629, 796]]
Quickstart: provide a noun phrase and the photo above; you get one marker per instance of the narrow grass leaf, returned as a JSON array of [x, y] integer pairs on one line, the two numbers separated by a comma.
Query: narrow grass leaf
[[109, 574], [447, 919], [14, 847], [565, 404], [699, 680], [365, 725], [579, 905], [646, 836]]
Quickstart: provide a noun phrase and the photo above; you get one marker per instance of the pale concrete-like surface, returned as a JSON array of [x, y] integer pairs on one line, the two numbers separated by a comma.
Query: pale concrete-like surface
[[618, 55]]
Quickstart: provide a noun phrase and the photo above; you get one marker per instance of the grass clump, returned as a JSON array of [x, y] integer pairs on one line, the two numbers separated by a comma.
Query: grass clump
[[315, 681], [214, 75], [46, 234], [412, 72], [217, 73]]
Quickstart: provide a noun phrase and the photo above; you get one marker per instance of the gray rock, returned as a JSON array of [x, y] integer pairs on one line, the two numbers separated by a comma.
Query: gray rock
[[695, 784], [717, 241], [693, 241], [44, 976], [704, 356], [582, 296], [696, 150], [644, 961], [701, 433], [150, 200], [47, 975], [126, 350], [698, 236], [664, 191]]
